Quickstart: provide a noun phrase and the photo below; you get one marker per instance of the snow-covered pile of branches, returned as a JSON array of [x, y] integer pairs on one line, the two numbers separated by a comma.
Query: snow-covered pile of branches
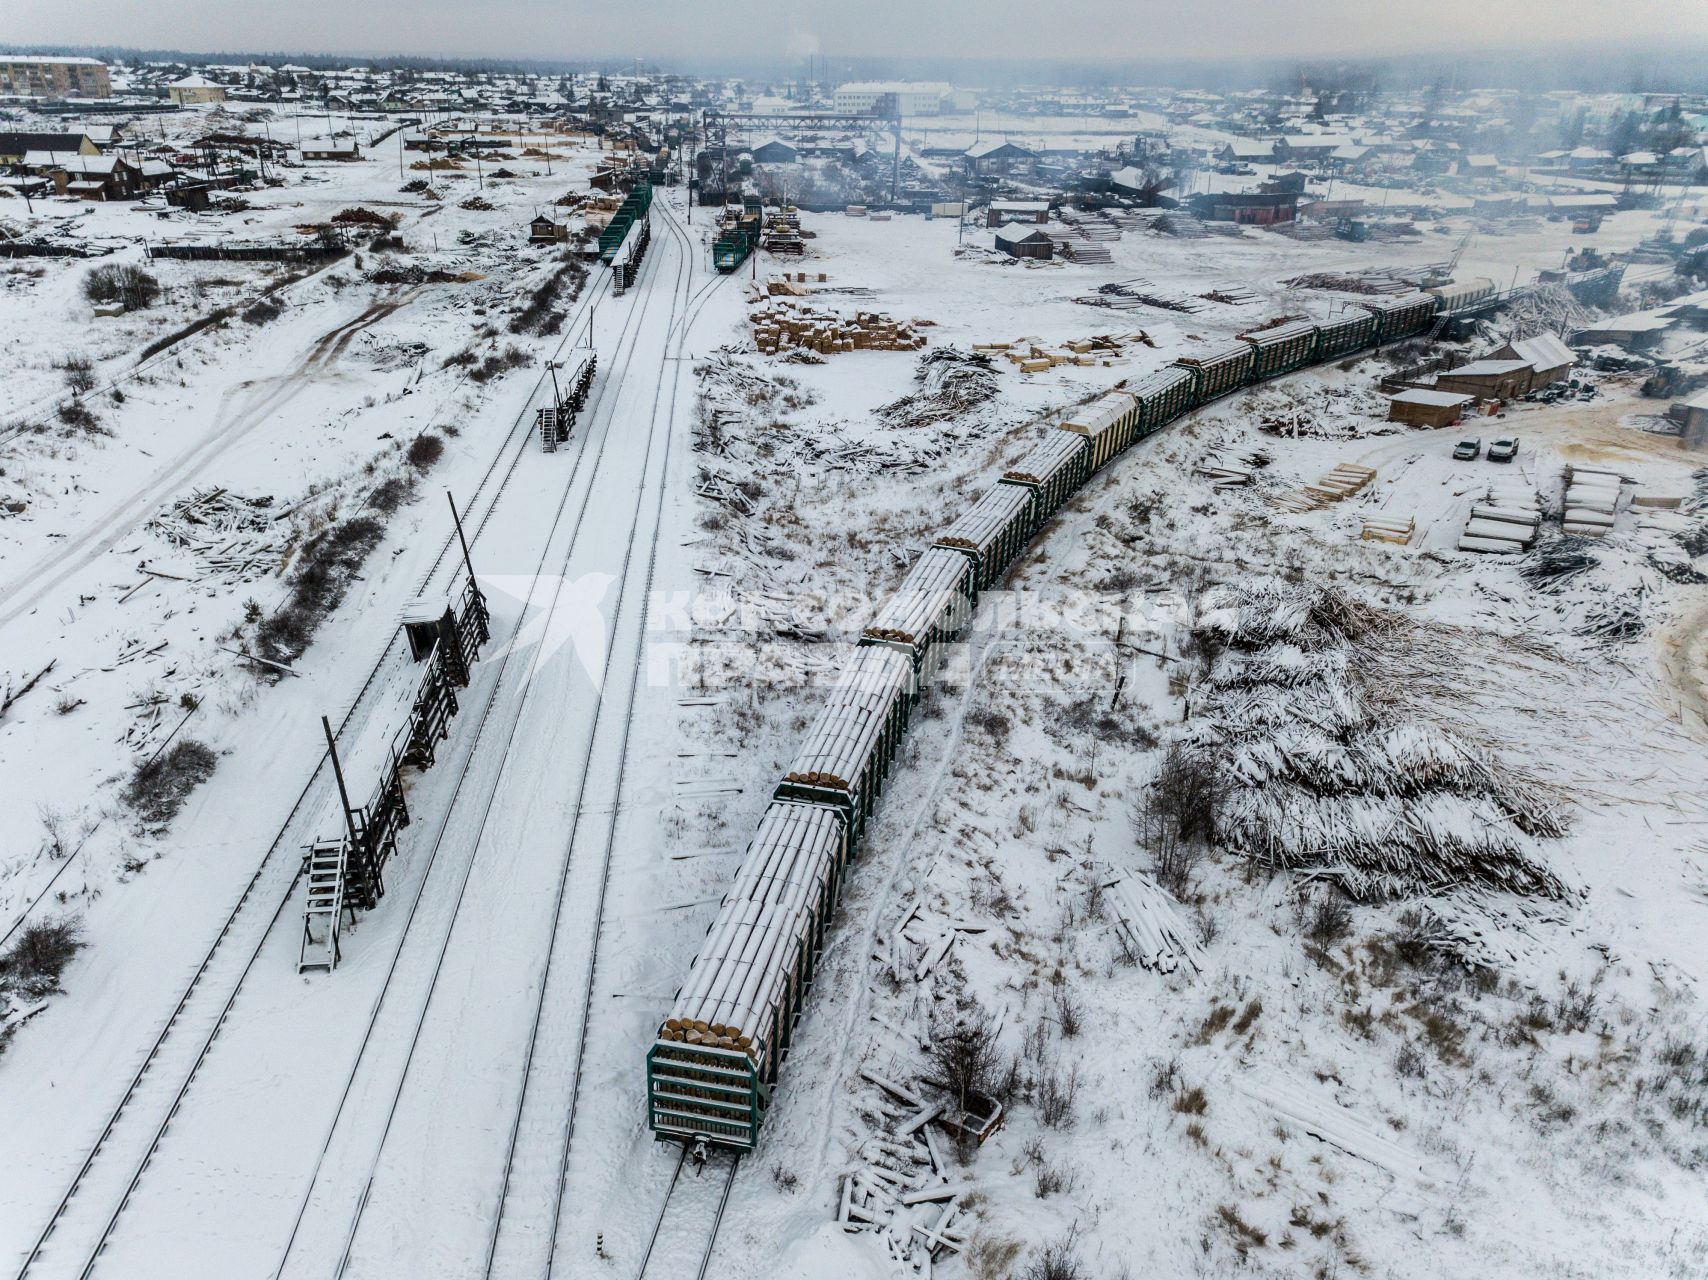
[[951, 382], [1316, 409], [1323, 769]]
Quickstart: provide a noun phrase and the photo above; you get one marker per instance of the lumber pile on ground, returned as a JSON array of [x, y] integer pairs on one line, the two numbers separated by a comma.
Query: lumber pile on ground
[[1594, 497], [1343, 481], [791, 285], [1031, 355], [1395, 529], [1506, 521], [906, 1188], [234, 539], [783, 325]]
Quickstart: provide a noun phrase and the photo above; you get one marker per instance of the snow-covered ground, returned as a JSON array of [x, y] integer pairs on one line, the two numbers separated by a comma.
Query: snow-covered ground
[[1299, 1091]]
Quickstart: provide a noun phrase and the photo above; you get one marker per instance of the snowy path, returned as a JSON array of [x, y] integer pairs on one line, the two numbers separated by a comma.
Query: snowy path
[[258, 401]]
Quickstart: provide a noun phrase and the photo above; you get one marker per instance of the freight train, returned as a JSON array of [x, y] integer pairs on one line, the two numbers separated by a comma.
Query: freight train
[[712, 1068]]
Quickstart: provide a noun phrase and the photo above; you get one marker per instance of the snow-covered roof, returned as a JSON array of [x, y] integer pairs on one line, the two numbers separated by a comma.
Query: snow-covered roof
[[1435, 399], [1019, 233], [1485, 369], [194, 82], [1544, 351], [1634, 322]]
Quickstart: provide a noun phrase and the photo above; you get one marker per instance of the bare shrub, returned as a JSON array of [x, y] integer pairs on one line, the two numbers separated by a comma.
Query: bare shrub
[[34, 964], [79, 374], [1329, 919], [121, 282], [1068, 1012], [424, 451], [262, 312], [1245, 1236], [1056, 1094], [159, 787], [328, 562], [78, 416], [1057, 1261], [963, 1054], [1178, 817]]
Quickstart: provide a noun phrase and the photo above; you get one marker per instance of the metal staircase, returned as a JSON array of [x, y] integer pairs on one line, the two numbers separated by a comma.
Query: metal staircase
[[323, 917]]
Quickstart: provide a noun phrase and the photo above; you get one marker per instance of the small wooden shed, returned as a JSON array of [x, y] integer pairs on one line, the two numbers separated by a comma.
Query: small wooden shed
[[1424, 408], [1024, 240]]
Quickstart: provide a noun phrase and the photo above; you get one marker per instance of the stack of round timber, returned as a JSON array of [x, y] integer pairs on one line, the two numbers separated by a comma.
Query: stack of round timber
[[1592, 500], [746, 982]]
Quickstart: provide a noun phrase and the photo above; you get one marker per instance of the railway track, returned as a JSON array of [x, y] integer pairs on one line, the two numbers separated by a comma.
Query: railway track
[[109, 1173], [542, 1125], [686, 1229], [330, 1188]]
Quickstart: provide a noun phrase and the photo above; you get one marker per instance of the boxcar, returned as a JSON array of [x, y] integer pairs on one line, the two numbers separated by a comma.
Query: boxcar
[[1052, 470], [1109, 423], [992, 533], [1400, 317], [926, 612], [1219, 372], [1282, 349]]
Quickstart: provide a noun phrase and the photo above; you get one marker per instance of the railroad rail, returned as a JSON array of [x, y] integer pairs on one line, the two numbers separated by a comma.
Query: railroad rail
[[207, 1000], [682, 1242]]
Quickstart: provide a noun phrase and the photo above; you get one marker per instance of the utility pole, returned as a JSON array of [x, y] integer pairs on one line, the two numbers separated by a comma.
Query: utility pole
[[457, 520]]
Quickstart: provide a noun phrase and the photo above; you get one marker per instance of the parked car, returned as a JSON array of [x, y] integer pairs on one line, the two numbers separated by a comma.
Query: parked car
[[1503, 450], [1468, 449]]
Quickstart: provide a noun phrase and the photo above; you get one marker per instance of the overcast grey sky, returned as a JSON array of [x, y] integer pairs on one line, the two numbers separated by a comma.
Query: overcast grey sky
[[1133, 29]]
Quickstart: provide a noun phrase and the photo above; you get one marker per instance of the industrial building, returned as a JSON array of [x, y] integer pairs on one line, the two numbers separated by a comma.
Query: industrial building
[[53, 77], [885, 97]]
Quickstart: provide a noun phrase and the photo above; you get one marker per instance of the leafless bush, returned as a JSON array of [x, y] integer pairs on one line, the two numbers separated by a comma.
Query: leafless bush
[[328, 562], [1068, 1011], [1056, 1094], [1177, 817], [121, 282], [1329, 919], [78, 416], [34, 964], [424, 451], [262, 312], [1057, 1261], [963, 1054], [159, 787], [79, 374]]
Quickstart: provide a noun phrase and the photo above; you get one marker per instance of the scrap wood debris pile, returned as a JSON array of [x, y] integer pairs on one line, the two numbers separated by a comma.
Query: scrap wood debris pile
[[1317, 720], [950, 381]]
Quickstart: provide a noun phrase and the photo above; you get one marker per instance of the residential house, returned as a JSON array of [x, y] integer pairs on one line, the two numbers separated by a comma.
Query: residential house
[[15, 146], [195, 91]]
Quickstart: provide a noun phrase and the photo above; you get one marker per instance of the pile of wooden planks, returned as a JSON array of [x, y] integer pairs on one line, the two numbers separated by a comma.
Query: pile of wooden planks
[[784, 324], [1388, 529], [1593, 499], [905, 1188], [1029, 355], [1506, 520], [1343, 481]]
